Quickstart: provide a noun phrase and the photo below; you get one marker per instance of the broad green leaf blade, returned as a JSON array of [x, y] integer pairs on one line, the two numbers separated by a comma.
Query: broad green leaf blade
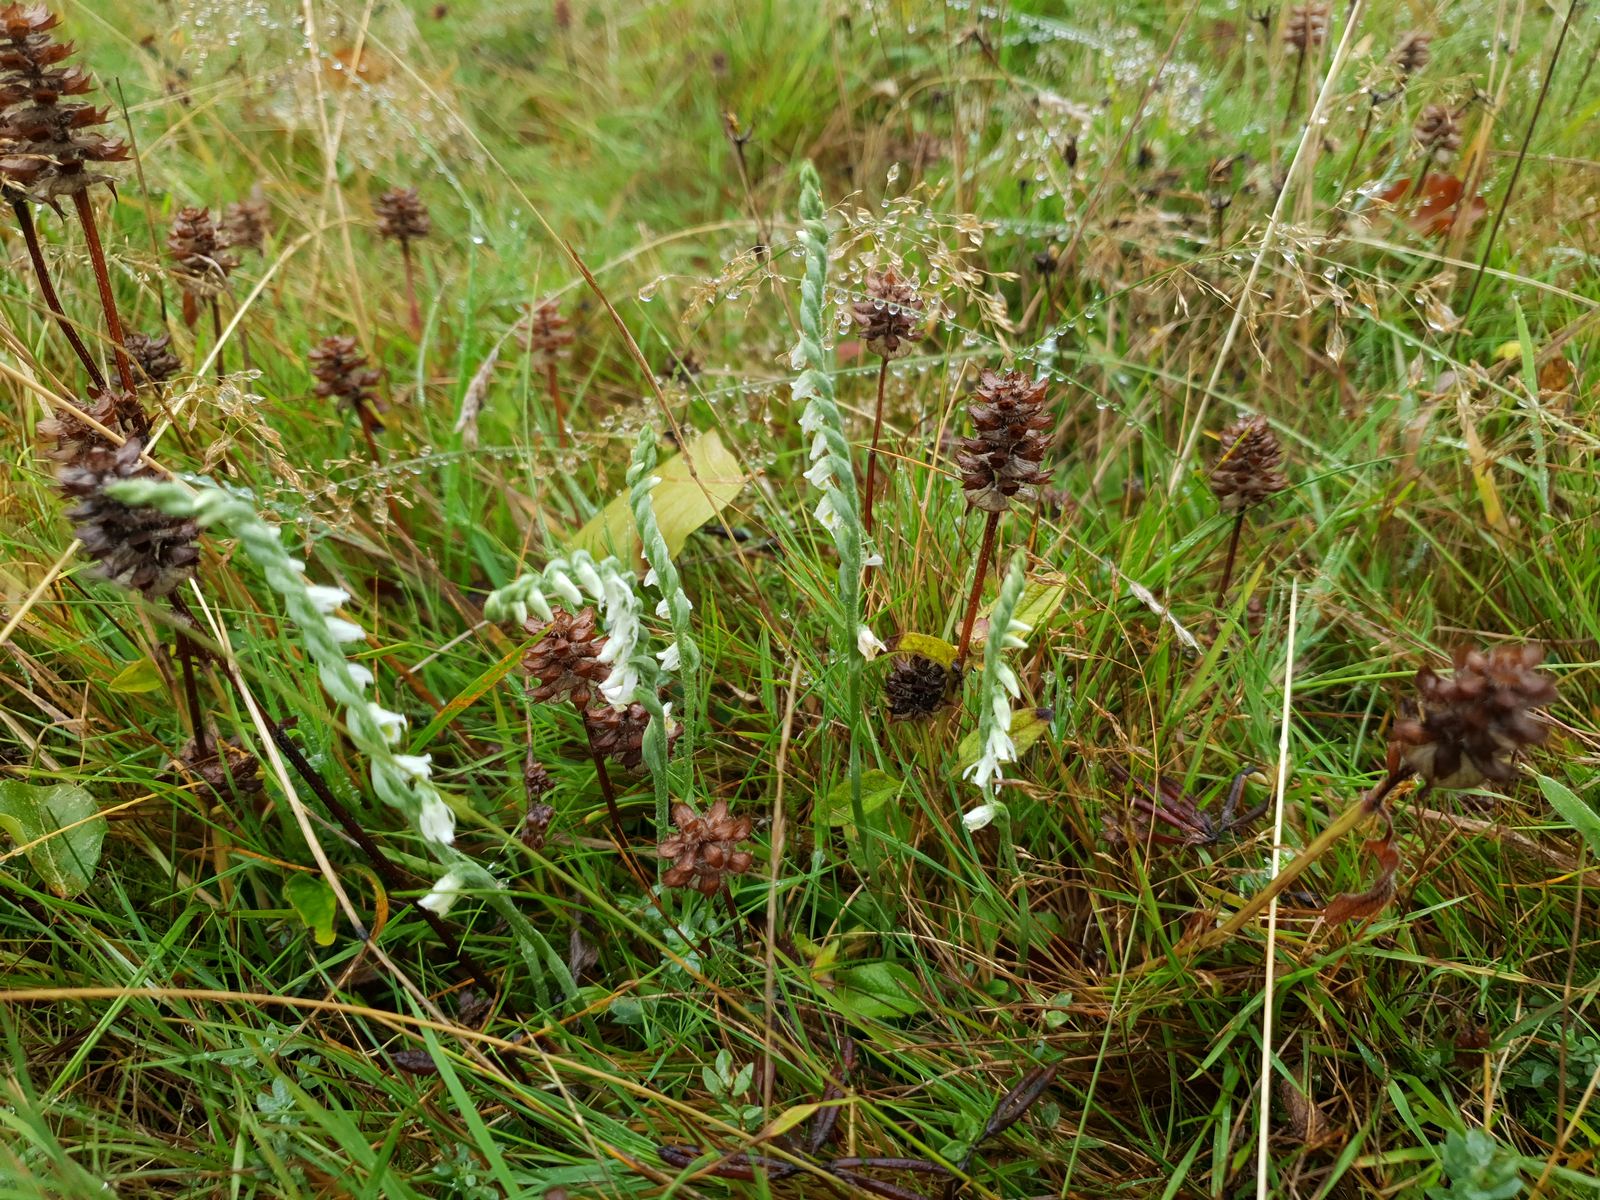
[[876, 789], [882, 990], [682, 503], [313, 901], [1028, 725], [141, 675], [59, 827], [1573, 809]]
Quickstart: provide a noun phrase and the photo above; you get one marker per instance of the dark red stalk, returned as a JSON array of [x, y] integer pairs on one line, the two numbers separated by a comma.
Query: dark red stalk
[[984, 554], [48, 290], [102, 278], [216, 326], [411, 290], [1233, 552]]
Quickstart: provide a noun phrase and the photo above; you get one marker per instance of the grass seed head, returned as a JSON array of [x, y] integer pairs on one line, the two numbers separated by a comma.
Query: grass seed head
[[47, 142], [1473, 722], [1247, 471], [704, 851], [1011, 429], [402, 215], [139, 548]]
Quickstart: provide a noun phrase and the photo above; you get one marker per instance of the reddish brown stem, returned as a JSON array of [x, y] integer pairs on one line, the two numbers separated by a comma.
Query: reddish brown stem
[[191, 691], [555, 402], [984, 554], [1233, 552], [48, 290], [411, 290], [872, 454], [102, 278]]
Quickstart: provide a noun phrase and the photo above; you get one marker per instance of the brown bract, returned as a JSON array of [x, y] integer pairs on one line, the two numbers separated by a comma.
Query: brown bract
[[545, 334], [245, 224], [1473, 722], [200, 257], [140, 548], [342, 373], [565, 659], [402, 215], [153, 356], [618, 733], [1438, 131], [888, 316], [1000, 462], [1305, 27], [704, 850], [45, 141], [1247, 469]]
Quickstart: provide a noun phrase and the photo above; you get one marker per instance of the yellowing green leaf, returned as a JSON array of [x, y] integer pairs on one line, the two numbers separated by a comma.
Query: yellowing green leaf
[[59, 827], [683, 502], [313, 901], [1027, 727], [876, 789], [789, 1119], [941, 651], [141, 675]]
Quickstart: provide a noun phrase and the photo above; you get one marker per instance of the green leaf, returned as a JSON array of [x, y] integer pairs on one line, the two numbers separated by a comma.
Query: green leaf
[[876, 789], [140, 676], [312, 899], [59, 827], [1041, 597], [1027, 727], [1575, 811], [682, 502], [878, 990]]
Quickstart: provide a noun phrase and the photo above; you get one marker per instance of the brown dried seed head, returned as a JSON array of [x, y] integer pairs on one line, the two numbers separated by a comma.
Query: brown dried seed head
[[1473, 723], [916, 687], [229, 773], [1413, 53], [545, 334], [704, 851], [139, 548], [71, 438], [565, 659], [47, 143], [153, 355], [1246, 471], [1438, 131], [402, 215], [618, 733], [1305, 27], [245, 224], [202, 261], [888, 316], [342, 373], [1011, 430]]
